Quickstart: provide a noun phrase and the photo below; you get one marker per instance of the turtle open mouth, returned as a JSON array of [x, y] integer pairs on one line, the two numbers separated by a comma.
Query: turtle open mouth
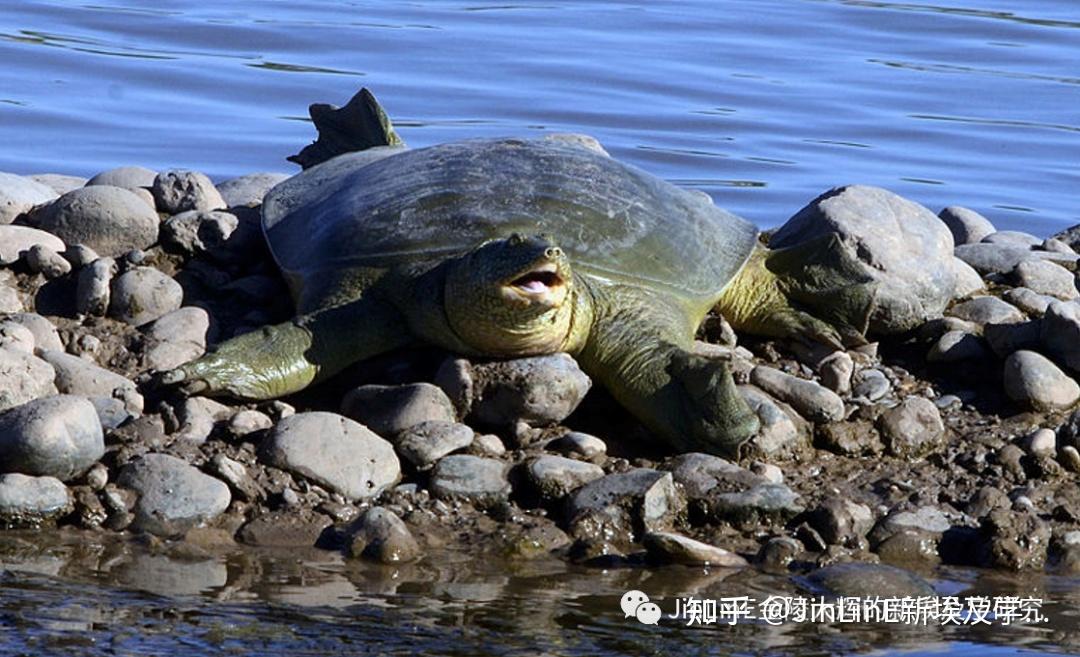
[[539, 280]]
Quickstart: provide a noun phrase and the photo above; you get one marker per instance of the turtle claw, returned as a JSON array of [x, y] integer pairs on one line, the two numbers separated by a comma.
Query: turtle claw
[[720, 421]]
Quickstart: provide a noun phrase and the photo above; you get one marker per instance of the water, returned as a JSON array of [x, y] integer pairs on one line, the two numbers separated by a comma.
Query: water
[[763, 105]]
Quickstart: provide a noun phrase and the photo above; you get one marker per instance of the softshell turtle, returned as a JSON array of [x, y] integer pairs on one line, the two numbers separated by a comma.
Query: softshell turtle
[[514, 247]]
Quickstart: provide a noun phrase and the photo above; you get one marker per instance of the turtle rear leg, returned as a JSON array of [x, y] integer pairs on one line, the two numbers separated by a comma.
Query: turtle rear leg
[[281, 359]]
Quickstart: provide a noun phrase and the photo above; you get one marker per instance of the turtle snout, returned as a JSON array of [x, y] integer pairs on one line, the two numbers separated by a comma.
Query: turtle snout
[[553, 252]]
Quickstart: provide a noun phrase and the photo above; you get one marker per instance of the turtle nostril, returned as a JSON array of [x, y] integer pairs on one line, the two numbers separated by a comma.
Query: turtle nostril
[[553, 252]]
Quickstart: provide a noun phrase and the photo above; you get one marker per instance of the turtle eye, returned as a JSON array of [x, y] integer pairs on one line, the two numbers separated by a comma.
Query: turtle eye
[[516, 239]]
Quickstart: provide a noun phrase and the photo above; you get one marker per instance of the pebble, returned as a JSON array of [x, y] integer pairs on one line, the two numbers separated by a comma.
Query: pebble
[[487, 444], [810, 399], [1041, 442], [93, 289], [782, 432], [10, 301], [967, 226], [27, 501], [45, 334], [987, 310], [1057, 246], [333, 451], [912, 429], [647, 497], [763, 503], [235, 474], [1004, 339], [178, 191], [289, 527], [16, 336], [1032, 379], [43, 260], [128, 177], [777, 553], [249, 190], [836, 371], [1029, 301], [58, 436], [926, 519], [17, 240], [1059, 333], [79, 255], [249, 421], [956, 346], [19, 194], [581, 444], [194, 232], [381, 536], [968, 281], [143, 294], [1016, 237], [1069, 457], [197, 417], [1047, 278], [554, 477], [58, 182], [389, 410], [425, 443], [1013, 539], [110, 220], [841, 521], [475, 479], [867, 580], [993, 258], [668, 547], [23, 377], [77, 376], [174, 496], [176, 338]]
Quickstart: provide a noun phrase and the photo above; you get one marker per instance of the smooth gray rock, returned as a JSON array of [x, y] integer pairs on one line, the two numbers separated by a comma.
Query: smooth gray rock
[[700, 473], [45, 334], [178, 191], [1015, 237], [19, 194], [957, 346], [993, 258], [1007, 338], [1032, 379], [174, 496], [987, 310], [868, 580], [926, 519], [836, 372], [1041, 442], [487, 444], [810, 399], [1046, 278], [14, 335], [1059, 333], [58, 436], [78, 376], [381, 536], [10, 301], [389, 410], [913, 428], [23, 377], [968, 281], [648, 497], [908, 249], [335, 452], [475, 479], [248, 421], [129, 177], [779, 435], [425, 443], [27, 501], [966, 226], [43, 260], [1057, 246], [194, 232], [669, 547], [177, 337], [197, 417], [841, 521], [143, 294], [93, 289], [59, 182], [554, 477], [110, 220], [1029, 301], [580, 444], [16, 240], [1070, 236], [80, 255], [249, 190]]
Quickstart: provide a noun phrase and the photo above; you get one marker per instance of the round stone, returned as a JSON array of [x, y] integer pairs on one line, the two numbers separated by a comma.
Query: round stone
[[110, 220]]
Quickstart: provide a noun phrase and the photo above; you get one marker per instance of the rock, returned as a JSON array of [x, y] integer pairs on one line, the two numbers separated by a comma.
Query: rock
[[836, 371], [1029, 301], [236, 475], [58, 436], [956, 346], [720, 491], [58, 182], [31, 501], [380, 535], [868, 580], [1059, 333], [179, 191], [425, 443], [966, 226], [782, 432], [389, 410], [93, 290], [16, 240], [907, 248], [194, 232], [645, 497], [249, 421], [1057, 246], [10, 301], [668, 547], [249, 190], [1013, 539], [176, 338], [79, 255], [538, 391], [987, 310], [913, 428], [841, 521], [968, 281], [23, 377], [1004, 339], [45, 334], [43, 260], [777, 553], [143, 294], [554, 477], [475, 479], [19, 195], [487, 444], [1070, 236], [77, 376], [809, 399], [1042, 442], [284, 528], [333, 451], [993, 258], [581, 444], [110, 220], [700, 473], [174, 496], [1045, 277], [851, 438], [1032, 379], [197, 417], [128, 177], [1016, 237], [16, 336], [925, 520]]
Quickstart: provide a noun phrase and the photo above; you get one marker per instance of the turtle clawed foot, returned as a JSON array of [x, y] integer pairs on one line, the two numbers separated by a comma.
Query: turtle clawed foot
[[718, 419], [184, 379]]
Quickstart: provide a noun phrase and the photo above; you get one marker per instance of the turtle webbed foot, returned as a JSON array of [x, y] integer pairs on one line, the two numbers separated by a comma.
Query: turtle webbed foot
[[716, 418]]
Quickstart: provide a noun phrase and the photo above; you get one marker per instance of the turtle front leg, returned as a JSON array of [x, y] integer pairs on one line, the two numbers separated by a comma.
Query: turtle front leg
[[277, 360], [635, 350]]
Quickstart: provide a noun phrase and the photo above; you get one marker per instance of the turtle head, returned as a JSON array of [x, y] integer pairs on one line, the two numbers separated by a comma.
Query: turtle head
[[512, 296]]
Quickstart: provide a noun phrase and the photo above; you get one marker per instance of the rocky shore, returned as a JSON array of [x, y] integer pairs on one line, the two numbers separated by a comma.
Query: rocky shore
[[951, 439]]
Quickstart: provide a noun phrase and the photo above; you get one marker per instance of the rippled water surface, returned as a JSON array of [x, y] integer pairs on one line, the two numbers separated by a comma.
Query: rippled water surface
[[762, 104]]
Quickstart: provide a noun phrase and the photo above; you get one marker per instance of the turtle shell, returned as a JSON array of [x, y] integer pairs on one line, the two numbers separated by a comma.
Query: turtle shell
[[616, 222]]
